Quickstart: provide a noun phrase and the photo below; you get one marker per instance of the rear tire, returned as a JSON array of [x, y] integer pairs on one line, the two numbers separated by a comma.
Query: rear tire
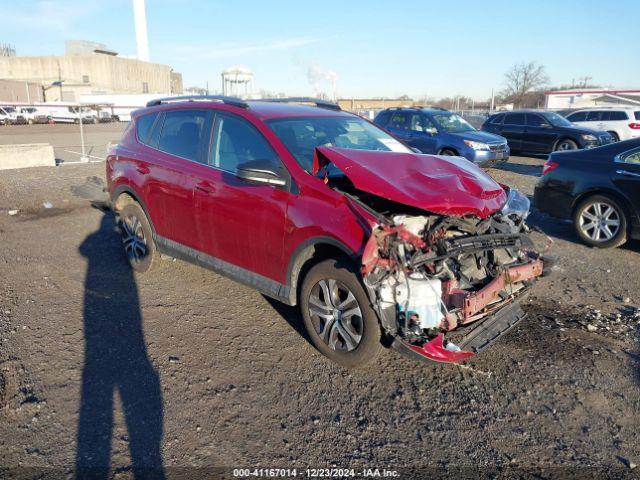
[[338, 316], [615, 136], [599, 221], [137, 238]]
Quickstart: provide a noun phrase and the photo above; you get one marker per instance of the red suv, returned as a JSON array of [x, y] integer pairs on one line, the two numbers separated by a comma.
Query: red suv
[[316, 207]]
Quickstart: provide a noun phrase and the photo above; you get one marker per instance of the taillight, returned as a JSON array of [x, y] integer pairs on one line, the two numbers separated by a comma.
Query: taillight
[[548, 166], [635, 126]]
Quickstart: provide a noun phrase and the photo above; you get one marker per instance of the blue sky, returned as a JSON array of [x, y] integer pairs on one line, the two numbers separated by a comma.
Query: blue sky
[[373, 48]]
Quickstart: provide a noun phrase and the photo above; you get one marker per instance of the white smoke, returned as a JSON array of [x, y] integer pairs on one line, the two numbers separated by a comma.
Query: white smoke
[[322, 80]]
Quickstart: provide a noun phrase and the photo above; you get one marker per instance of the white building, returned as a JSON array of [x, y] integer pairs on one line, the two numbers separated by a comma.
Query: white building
[[590, 97]]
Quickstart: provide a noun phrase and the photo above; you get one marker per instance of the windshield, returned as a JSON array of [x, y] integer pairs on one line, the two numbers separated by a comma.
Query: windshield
[[557, 120], [302, 135], [452, 123]]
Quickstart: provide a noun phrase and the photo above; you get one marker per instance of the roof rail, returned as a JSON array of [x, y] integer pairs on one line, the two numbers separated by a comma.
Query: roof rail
[[236, 102], [317, 101]]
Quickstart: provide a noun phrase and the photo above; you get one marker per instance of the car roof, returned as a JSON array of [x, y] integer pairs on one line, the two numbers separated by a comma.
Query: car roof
[[264, 110], [417, 109], [608, 107]]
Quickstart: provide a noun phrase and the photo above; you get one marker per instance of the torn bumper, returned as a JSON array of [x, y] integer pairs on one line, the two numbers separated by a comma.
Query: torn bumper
[[471, 340]]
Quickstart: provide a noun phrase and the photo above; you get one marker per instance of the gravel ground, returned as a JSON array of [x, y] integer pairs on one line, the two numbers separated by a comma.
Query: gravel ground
[[189, 370]]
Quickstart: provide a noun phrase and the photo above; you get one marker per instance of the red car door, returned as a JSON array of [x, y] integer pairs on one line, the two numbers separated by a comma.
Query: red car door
[[240, 223], [177, 146]]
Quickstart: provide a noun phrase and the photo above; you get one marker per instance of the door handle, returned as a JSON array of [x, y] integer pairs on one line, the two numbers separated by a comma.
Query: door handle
[[205, 187], [627, 173], [142, 169]]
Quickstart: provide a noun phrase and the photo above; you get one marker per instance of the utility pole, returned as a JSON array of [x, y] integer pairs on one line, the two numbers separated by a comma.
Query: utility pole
[[493, 99]]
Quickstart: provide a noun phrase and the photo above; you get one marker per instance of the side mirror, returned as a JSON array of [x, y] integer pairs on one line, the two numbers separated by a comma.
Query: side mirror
[[261, 171]]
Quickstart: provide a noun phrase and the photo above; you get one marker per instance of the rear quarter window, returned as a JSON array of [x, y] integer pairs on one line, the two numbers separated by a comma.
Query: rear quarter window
[[637, 114], [497, 119], [144, 124], [383, 118], [617, 115]]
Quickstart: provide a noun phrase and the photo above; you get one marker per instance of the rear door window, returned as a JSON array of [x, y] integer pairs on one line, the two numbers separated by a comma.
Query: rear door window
[[594, 116], [185, 133], [534, 120], [236, 141], [514, 119], [144, 124], [420, 123]]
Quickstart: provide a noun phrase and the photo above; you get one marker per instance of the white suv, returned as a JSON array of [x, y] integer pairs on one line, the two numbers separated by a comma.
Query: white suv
[[621, 122]]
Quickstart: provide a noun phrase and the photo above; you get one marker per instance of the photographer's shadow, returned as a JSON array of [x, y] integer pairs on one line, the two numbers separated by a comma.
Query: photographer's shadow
[[115, 361]]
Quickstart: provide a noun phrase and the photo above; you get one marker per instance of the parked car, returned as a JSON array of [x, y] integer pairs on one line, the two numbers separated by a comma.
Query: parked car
[[622, 123], [10, 116], [543, 132], [33, 115], [438, 131], [599, 189], [320, 208]]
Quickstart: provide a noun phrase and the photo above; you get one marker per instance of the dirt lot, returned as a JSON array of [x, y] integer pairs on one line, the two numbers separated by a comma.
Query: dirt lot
[[192, 370]]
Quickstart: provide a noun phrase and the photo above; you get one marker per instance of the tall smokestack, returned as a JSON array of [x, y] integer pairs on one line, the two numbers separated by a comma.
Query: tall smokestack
[[140, 19]]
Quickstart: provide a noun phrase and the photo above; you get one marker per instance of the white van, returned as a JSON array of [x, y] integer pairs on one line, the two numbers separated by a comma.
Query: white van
[[621, 122], [33, 115], [10, 116], [68, 114]]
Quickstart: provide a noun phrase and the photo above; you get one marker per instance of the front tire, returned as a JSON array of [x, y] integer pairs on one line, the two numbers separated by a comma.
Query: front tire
[[137, 238], [600, 222], [448, 152], [566, 144], [338, 316]]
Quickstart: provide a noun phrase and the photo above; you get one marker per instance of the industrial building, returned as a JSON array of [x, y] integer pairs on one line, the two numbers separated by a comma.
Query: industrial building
[[89, 68]]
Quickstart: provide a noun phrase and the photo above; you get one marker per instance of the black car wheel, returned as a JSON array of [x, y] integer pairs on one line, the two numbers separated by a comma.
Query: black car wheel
[[566, 144], [448, 152], [615, 136], [600, 222], [338, 316], [137, 238]]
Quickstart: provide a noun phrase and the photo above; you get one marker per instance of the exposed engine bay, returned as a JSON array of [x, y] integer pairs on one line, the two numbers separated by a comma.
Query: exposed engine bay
[[433, 274]]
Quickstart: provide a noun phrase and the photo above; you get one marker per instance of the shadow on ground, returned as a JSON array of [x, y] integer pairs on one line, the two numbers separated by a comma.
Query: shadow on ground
[[115, 362]]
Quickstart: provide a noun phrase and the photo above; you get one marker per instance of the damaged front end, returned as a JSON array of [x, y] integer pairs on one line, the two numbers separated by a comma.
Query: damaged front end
[[434, 274], [445, 286]]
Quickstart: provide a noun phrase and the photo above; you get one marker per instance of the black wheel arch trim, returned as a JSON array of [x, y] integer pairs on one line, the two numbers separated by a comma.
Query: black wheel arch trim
[[119, 190], [305, 251]]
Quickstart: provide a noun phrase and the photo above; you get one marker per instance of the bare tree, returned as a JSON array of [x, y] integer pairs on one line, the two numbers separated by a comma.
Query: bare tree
[[521, 80]]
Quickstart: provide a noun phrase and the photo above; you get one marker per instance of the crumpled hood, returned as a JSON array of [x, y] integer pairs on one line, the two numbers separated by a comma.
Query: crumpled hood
[[442, 185]]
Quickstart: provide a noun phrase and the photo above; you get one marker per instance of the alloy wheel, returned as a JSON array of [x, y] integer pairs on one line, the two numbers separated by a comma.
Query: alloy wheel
[[600, 221], [336, 315], [133, 239], [566, 145]]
